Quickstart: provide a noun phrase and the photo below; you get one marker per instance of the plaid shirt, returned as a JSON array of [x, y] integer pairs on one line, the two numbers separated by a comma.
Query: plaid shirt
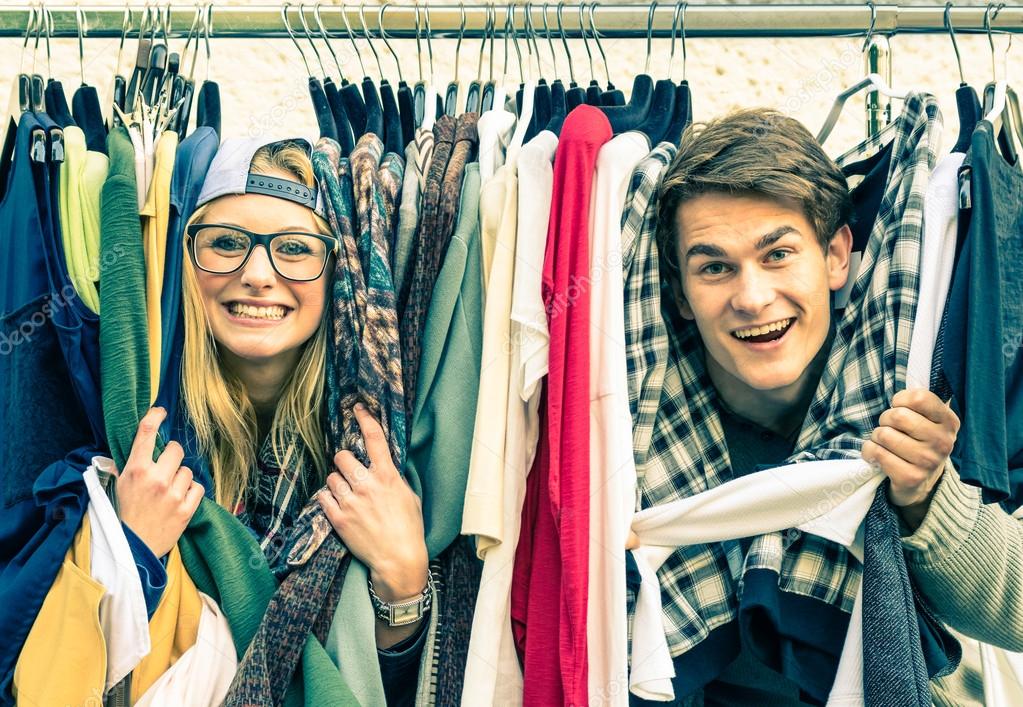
[[688, 453]]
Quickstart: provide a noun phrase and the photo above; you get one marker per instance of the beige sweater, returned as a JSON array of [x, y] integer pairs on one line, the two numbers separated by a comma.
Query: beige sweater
[[966, 559]]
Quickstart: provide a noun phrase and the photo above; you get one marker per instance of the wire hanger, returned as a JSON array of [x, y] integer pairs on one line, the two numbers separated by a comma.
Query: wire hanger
[[406, 100], [472, 93], [451, 95], [611, 96], [432, 103], [575, 95], [321, 108], [391, 134], [872, 82], [541, 113]]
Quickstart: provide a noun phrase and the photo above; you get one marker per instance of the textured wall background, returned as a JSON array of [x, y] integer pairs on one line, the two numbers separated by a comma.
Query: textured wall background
[[263, 82]]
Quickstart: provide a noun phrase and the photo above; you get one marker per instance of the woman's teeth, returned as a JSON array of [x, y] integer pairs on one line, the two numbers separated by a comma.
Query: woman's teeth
[[762, 330], [275, 312]]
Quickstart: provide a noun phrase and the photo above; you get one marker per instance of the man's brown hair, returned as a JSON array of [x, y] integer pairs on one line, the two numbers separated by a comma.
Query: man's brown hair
[[758, 152]]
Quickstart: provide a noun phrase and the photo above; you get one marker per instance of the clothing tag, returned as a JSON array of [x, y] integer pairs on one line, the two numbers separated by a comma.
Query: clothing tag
[[56, 145], [38, 151], [965, 202]]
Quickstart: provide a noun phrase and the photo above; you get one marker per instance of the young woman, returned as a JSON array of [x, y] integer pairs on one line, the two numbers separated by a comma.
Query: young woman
[[255, 287]]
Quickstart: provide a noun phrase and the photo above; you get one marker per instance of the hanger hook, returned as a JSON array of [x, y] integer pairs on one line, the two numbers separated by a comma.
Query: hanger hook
[[291, 33], [188, 42], [532, 48], [649, 35], [550, 42], [49, 32], [125, 28], [870, 29], [429, 42], [509, 26], [596, 36], [483, 45], [383, 36], [325, 36], [165, 24], [207, 28], [461, 36], [82, 27], [30, 28], [369, 38], [678, 26], [309, 37], [419, 46], [586, 41], [955, 44], [351, 37], [564, 40]]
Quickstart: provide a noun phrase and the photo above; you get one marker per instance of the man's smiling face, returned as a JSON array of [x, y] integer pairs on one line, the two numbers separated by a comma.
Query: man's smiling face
[[757, 283]]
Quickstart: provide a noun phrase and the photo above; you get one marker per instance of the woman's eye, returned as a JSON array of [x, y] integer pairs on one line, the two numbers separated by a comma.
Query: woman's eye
[[229, 243], [293, 248]]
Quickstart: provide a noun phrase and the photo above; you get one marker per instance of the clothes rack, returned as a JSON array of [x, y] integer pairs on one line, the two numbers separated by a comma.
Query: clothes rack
[[614, 20]]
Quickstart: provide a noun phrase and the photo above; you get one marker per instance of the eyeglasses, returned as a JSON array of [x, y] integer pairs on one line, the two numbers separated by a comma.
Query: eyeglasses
[[295, 255]]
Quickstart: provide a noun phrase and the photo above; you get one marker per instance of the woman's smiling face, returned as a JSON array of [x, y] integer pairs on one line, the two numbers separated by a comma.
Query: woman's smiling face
[[254, 313]]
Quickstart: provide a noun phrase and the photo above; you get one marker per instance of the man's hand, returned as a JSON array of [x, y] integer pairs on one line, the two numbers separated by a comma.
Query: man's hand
[[910, 444], [156, 499]]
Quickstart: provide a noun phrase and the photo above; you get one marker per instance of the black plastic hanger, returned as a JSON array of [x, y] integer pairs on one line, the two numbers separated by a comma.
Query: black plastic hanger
[[85, 107], [489, 88], [474, 91], [610, 96], [370, 94], [575, 95], [321, 108], [593, 90], [632, 114], [56, 104], [391, 99], [967, 102]]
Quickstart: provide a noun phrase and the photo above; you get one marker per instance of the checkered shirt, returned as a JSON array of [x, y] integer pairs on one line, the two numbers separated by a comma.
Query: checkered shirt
[[688, 454]]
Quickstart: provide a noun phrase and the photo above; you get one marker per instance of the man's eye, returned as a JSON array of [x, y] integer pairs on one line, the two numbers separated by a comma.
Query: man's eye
[[777, 255], [714, 269]]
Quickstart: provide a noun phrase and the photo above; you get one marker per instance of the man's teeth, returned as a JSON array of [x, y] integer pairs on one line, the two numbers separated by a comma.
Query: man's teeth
[[761, 330], [246, 310]]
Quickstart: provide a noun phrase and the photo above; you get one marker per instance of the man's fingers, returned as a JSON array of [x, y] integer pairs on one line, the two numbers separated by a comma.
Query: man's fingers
[[170, 460], [903, 475], [909, 422], [373, 434], [141, 454], [924, 403], [906, 448]]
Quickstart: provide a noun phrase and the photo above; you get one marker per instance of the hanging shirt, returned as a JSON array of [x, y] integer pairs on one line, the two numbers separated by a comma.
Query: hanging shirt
[[492, 671], [155, 218], [442, 429], [981, 355], [941, 219], [612, 466], [418, 156], [481, 515], [81, 179], [551, 566], [495, 130]]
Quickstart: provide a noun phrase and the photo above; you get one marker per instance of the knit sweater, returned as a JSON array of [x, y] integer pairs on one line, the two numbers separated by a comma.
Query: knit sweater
[[966, 559]]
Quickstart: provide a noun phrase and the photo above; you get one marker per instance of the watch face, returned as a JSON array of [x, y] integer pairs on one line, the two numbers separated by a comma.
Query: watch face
[[405, 614]]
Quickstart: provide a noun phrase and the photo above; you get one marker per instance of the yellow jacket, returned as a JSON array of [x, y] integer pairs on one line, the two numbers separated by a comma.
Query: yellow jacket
[[63, 661]]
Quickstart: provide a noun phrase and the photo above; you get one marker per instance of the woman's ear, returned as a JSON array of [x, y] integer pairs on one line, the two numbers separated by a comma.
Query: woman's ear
[[837, 256]]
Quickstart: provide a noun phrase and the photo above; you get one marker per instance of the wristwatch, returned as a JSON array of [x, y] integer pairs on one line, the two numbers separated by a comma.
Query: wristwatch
[[405, 612]]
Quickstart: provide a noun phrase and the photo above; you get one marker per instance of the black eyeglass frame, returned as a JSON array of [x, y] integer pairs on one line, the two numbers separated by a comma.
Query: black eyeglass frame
[[260, 239]]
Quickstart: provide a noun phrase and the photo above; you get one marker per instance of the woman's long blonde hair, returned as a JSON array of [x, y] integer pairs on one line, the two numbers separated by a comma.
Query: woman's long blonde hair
[[216, 401]]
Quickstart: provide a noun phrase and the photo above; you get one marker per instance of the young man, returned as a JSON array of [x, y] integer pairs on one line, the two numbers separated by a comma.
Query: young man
[[755, 240]]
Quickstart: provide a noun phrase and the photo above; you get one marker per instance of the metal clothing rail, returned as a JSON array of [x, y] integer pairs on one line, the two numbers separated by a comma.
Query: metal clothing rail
[[613, 20]]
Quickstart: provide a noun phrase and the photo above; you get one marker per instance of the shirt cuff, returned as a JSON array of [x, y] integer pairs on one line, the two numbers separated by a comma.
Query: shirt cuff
[[951, 518], [150, 568]]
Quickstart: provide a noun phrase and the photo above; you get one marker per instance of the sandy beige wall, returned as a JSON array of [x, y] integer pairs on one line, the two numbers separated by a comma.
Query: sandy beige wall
[[264, 89]]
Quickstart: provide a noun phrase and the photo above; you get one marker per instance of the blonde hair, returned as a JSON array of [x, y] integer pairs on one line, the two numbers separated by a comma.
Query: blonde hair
[[216, 401]]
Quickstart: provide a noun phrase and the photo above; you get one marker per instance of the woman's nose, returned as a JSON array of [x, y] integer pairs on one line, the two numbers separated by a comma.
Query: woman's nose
[[258, 272]]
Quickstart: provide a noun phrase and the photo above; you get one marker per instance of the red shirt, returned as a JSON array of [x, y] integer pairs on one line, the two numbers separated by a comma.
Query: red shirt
[[550, 584]]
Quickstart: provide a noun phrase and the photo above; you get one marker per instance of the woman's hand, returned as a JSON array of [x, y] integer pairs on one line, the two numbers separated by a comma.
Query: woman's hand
[[156, 499], [377, 515], [910, 444]]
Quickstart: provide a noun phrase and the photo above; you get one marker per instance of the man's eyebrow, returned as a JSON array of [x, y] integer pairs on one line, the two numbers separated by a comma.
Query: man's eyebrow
[[711, 251], [771, 238]]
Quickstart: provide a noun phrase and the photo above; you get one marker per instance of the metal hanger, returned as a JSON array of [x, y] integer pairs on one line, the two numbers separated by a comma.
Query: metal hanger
[[321, 108], [575, 95], [872, 82], [472, 93], [391, 134], [374, 111], [451, 94], [490, 87], [593, 88], [559, 104], [636, 112], [967, 104], [611, 96], [683, 112], [406, 100], [432, 100]]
